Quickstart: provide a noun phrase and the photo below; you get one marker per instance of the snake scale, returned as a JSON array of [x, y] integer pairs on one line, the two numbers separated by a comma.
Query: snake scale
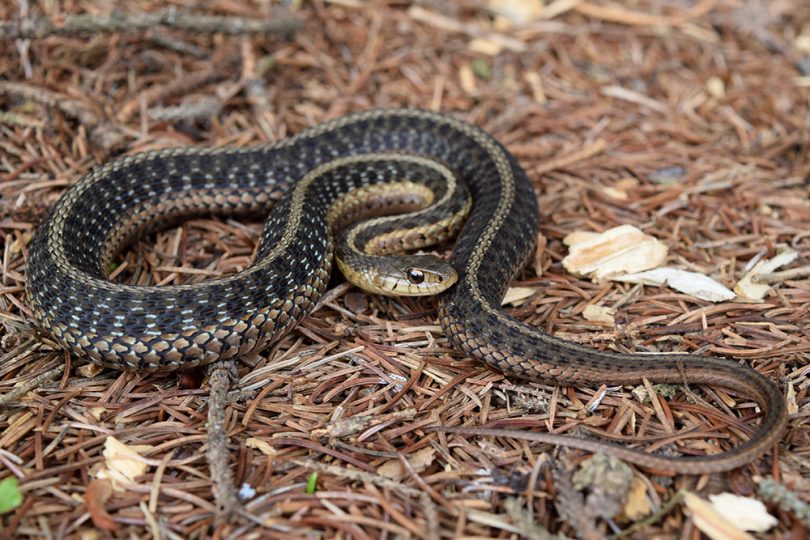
[[147, 328]]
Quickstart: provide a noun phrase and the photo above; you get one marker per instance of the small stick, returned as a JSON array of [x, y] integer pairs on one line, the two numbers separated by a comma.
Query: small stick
[[227, 502], [784, 275], [30, 384], [39, 27]]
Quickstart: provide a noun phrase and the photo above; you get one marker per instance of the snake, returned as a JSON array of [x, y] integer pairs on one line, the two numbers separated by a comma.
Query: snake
[[449, 176]]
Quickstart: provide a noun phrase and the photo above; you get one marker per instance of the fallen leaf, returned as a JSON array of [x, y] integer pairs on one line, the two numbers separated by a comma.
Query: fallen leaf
[[577, 237], [539, 250], [619, 250], [485, 46], [96, 412], [747, 513], [96, 495], [419, 461], [637, 504], [123, 463], [802, 43], [615, 193], [10, 496], [262, 446], [746, 288], [517, 11], [716, 87], [790, 399], [600, 314], [711, 522], [536, 86], [516, 295], [691, 283], [466, 78], [89, 370]]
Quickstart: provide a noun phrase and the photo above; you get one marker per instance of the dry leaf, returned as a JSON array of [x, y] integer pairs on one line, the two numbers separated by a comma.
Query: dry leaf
[[485, 46], [746, 288], [748, 514], [420, 461], [517, 11], [516, 295], [692, 283], [790, 399], [466, 78], [600, 314], [711, 522], [89, 370], [615, 193], [637, 504], [122, 463], [577, 237], [96, 412], [262, 446], [803, 43], [96, 495], [619, 250], [536, 86], [716, 87]]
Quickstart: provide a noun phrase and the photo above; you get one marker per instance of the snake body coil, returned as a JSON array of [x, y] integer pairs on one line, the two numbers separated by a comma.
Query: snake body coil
[[182, 326]]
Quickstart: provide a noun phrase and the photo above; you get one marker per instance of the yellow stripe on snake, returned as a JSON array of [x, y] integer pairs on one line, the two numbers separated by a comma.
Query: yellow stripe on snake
[[366, 163]]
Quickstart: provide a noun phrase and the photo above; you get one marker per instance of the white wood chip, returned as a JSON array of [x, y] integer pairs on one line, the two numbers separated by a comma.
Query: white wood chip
[[600, 314], [691, 283], [616, 251], [711, 522], [516, 295], [748, 514], [122, 462], [746, 288]]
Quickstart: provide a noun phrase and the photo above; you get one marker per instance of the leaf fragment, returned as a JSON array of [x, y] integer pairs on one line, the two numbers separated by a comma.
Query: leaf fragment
[[747, 513], [619, 250], [122, 462], [96, 495], [711, 522], [10, 496], [748, 288], [692, 283]]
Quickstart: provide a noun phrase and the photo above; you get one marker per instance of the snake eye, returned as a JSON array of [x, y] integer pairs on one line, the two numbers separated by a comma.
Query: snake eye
[[415, 276]]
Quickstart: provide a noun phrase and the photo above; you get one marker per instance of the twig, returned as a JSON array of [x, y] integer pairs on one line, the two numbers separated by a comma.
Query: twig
[[134, 22], [784, 275], [180, 86], [225, 497], [199, 110], [103, 133], [30, 384], [72, 107], [177, 45]]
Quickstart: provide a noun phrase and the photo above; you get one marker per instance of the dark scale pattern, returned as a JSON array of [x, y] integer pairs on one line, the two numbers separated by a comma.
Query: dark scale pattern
[[183, 326]]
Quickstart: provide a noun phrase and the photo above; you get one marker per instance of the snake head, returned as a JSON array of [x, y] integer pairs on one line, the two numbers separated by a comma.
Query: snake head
[[403, 275]]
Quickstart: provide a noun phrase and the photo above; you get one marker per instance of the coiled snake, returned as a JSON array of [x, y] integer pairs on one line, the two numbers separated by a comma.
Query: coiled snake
[[182, 326]]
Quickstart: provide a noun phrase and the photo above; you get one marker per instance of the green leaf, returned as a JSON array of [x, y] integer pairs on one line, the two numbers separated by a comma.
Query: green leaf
[[311, 481], [10, 496], [481, 69]]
